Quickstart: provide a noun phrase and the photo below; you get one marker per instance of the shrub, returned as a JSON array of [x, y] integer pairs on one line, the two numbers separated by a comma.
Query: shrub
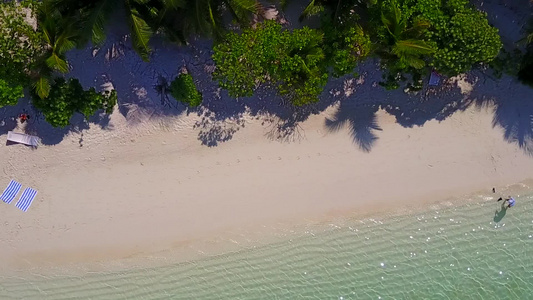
[[9, 95], [459, 34], [20, 45], [345, 43], [68, 97], [291, 61], [468, 40], [183, 89]]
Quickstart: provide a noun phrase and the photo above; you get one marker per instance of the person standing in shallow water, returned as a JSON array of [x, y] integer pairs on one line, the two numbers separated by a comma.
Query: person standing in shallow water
[[510, 200]]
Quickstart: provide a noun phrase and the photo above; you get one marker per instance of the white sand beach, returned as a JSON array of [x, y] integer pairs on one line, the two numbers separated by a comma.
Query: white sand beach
[[155, 176], [124, 194]]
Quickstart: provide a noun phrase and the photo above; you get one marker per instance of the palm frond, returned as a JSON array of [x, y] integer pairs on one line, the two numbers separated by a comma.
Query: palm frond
[[412, 47], [57, 63], [47, 35], [420, 24], [414, 62], [198, 9], [245, 6], [141, 34], [313, 8], [211, 15], [95, 18], [392, 19], [417, 29], [174, 4], [42, 87], [65, 42]]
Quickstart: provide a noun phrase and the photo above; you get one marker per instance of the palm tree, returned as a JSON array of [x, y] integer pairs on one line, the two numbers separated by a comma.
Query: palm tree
[[92, 15], [337, 7], [177, 19], [317, 6], [60, 35], [181, 18], [404, 45]]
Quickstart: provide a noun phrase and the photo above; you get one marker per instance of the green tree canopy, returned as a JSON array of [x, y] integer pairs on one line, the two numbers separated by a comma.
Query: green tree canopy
[[291, 61], [183, 89], [176, 19], [403, 45], [345, 43], [20, 45], [59, 35], [462, 35], [68, 97], [91, 16]]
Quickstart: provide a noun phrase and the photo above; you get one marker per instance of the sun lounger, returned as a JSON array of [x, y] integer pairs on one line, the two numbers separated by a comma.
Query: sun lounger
[[434, 78], [11, 191], [26, 199], [22, 138]]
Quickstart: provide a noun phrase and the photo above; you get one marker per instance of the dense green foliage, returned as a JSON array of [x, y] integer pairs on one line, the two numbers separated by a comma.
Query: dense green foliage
[[177, 19], [450, 36], [461, 34], [183, 89], [20, 44], [59, 35], [10, 94], [409, 37], [291, 61], [345, 43], [402, 40], [68, 97]]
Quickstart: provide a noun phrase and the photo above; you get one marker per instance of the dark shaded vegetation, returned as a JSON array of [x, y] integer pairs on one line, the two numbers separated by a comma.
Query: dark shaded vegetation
[[269, 68]]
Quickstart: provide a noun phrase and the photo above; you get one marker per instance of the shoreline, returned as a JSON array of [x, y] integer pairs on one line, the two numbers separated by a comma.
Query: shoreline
[[158, 191], [198, 250]]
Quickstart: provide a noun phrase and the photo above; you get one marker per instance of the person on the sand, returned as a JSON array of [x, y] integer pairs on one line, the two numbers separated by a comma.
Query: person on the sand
[[24, 118], [511, 201]]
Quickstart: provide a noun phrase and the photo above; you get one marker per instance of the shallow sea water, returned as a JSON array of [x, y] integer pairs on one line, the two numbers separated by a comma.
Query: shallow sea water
[[470, 251]]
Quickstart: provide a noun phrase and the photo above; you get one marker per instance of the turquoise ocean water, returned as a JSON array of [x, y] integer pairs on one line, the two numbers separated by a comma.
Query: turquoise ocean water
[[462, 251]]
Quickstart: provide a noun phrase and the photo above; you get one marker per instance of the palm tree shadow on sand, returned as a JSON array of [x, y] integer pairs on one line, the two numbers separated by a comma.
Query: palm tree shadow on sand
[[511, 104], [361, 121]]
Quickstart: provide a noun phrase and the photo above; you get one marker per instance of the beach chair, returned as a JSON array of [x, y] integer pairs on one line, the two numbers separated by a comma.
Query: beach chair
[[22, 138], [11, 191], [434, 79], [26, 199]]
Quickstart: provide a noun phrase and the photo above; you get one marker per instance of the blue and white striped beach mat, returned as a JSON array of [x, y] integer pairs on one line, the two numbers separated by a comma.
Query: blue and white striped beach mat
[[11, 191], [26, 199]]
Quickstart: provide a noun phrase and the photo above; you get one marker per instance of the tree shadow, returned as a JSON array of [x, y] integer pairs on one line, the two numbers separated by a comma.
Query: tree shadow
[[361, 121], [50, 135], [37, 125], [512, 106], [356, 99], [361, 98], [9, 115]]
